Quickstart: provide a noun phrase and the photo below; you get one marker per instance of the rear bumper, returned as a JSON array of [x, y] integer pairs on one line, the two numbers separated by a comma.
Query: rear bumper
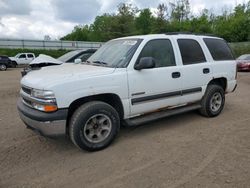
[[47, 124], [231, 86]]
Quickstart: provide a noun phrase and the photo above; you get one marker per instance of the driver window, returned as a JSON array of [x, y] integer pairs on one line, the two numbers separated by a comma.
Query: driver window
[[162, 52], [23, 56]]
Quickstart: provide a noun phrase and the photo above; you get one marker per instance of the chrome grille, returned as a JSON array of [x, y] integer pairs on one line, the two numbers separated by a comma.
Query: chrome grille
[[26, 90]]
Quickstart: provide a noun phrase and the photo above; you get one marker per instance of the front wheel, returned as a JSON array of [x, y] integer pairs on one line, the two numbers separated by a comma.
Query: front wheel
[[3, 67], [94, 126], [14, 64], [213, 101]]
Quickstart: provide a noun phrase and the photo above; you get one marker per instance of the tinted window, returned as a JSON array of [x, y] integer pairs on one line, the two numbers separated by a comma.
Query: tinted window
[[3, 57], [30, 56], [219, 49], [191, 51], [161, 50], [22, 56], [84, 56]]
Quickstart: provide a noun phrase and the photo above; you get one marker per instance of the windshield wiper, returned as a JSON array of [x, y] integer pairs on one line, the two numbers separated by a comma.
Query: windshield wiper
[[99, 63], [95, 63]]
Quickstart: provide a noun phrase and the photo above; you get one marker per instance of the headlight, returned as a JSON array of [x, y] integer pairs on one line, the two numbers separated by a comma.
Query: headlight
[[42, 94], [42, 100]]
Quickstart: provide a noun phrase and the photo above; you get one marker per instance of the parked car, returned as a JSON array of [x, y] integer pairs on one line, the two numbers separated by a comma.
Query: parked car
[[243, 63], [22, 59], [129, 80], [76, 56], [5, 63]]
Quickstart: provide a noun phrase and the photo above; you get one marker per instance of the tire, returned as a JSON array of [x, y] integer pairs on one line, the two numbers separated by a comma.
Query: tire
[[94, 126], [213, 101], [14, 64], [3, 67]]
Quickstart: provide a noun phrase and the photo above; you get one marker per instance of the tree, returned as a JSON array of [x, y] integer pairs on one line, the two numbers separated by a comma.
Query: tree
[[126, 19], [233, 26], [180, 10], [144, 22], [160, 23]]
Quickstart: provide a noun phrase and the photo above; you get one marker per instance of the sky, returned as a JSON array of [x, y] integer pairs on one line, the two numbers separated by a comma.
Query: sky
[[33, 19]]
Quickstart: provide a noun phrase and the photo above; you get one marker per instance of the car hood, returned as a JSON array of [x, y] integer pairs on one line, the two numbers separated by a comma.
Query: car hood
[[12, 58], [53, 75], [41, 59]]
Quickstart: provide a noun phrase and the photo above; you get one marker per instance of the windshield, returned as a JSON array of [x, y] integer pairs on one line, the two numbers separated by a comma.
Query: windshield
[[244, 57], [17, 55], [116, 53], [68, 55]]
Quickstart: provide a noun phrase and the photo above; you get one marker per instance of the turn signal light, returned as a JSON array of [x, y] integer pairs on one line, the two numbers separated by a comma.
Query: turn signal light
[[50, 108]]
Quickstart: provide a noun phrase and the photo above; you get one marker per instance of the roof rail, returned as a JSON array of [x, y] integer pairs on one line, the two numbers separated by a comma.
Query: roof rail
[[190, 33], [179, 33]]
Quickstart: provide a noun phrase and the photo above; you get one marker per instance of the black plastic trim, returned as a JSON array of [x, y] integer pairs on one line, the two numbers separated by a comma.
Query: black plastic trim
[[165, 95], [189, 91], [36, 115]]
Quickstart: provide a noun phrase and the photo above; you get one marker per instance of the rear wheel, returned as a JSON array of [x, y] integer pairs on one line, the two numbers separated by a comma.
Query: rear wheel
[[213, 101], [3, 67], [94, 126]]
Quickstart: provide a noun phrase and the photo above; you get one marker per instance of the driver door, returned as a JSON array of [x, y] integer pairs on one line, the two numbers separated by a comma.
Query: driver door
[[159, 87], [22, 59]]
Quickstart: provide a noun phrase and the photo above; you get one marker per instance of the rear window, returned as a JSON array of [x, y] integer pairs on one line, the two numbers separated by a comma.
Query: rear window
[[191, 51], [30, 55], [219, 49]]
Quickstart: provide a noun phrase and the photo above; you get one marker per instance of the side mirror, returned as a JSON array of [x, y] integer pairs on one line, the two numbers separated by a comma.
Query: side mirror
[[145, 63], [77, 61]]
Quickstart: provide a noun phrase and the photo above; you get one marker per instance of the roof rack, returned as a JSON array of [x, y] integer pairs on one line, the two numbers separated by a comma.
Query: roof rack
[[190, 33]]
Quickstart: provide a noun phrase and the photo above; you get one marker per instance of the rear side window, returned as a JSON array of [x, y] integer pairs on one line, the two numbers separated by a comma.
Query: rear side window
[[191, 51], [161, 50], [219, 49], [30, 56]]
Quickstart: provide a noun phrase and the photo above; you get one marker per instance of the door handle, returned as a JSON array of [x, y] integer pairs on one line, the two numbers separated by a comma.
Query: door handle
[[176, 75], [206, 71]]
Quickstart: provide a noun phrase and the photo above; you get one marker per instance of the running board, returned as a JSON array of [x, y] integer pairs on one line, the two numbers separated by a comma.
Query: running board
[[159, 115]]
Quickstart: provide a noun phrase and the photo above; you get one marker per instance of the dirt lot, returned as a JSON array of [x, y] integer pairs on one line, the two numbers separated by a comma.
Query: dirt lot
[[182, 151]]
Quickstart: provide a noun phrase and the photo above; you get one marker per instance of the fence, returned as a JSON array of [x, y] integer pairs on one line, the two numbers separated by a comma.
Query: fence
[[48, 45]]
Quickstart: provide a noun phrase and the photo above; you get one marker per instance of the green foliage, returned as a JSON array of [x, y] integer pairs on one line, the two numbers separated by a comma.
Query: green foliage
[[144, 22], [172, 17], [240, 48], [13, 52]]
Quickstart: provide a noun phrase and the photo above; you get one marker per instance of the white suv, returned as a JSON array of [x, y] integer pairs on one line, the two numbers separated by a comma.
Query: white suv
[[128, 80], [22, 58]]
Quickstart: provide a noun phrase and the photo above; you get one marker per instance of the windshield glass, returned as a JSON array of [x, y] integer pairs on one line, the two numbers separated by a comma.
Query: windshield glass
[[68, 55], [17, 55], [116, 53], [244, 57]]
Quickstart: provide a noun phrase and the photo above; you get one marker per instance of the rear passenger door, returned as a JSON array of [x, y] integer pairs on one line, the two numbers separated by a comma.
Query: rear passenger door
[[196, 70], [30, 57]]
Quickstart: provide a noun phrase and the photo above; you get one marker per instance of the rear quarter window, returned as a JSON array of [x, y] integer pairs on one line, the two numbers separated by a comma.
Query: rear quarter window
[[219, 49]]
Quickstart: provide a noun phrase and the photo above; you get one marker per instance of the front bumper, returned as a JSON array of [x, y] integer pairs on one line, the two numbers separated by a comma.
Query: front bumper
[[47, 124]]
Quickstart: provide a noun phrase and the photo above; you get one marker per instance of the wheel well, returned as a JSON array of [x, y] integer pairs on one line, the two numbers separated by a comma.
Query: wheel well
[[219, 81], [111, 99]]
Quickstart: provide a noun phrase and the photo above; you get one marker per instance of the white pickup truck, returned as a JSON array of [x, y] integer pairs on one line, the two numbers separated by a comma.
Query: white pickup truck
[[22, 59], [128, 80]]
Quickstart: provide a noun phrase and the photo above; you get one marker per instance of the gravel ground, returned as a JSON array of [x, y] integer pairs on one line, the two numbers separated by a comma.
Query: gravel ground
[[181, 151]]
